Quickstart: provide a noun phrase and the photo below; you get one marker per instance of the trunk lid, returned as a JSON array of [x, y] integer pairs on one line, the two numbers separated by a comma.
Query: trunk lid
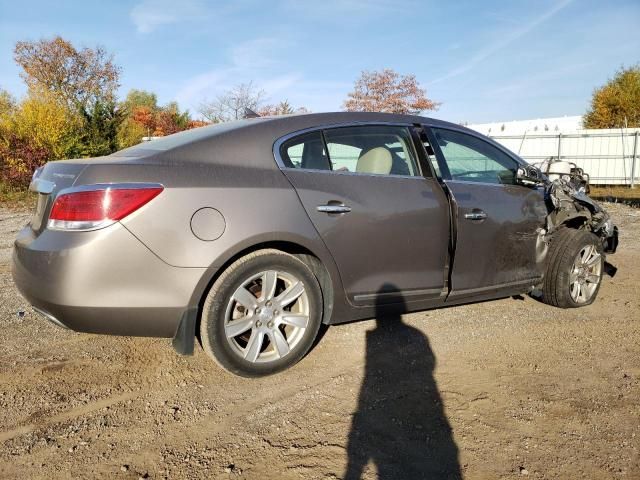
[[47, 182]]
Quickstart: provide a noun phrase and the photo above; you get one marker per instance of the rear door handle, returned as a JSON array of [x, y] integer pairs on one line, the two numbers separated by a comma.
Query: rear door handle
[[333, 208], [475, 215]]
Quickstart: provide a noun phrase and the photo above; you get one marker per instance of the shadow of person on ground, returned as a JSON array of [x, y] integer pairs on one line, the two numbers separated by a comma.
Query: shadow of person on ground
[[400, 425]]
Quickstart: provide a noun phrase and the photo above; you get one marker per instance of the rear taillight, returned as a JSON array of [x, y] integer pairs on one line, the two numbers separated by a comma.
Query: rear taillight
[[92, 209]]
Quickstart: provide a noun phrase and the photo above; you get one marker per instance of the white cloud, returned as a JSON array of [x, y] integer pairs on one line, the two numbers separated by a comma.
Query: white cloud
[[488, 51], [256, 53], [533, 84], [254, 60], [151, 14]]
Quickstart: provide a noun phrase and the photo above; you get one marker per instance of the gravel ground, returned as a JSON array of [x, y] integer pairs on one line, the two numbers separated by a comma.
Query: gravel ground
[[501, 389]]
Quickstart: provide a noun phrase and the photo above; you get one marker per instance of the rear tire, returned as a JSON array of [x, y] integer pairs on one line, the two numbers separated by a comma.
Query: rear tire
[[574, 269], [262, 314]]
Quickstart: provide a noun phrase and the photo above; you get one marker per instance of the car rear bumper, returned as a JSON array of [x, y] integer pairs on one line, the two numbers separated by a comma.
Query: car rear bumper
[[103, 281]]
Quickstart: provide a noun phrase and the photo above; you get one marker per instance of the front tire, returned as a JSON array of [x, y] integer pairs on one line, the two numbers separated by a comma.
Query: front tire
[[574, 269], [262, 314]]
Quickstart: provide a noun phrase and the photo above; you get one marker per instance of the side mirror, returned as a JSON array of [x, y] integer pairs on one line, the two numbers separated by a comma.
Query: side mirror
[[529, 175]]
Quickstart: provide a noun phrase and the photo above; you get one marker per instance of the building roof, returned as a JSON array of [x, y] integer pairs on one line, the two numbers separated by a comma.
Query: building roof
[[538, 125]]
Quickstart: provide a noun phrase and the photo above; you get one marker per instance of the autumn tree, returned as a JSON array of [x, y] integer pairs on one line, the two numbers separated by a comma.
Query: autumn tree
[[78, 77], [38, 129], [46, 123], [83, 82], [616, 104], [7, 102], [144, 118], [232, 104], [388, 91], [282, 108]]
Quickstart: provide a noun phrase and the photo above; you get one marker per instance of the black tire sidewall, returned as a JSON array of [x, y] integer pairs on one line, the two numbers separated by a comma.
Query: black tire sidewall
[[214, 314], [562, 285]]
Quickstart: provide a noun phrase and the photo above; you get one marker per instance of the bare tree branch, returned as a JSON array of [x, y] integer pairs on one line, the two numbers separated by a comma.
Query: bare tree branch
[[231, 104]]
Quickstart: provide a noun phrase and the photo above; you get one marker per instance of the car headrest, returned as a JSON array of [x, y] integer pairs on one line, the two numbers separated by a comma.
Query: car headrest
[[377, 160]]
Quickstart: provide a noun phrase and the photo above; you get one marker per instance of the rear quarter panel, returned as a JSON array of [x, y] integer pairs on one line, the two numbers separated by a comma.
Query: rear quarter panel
[[259, 205]]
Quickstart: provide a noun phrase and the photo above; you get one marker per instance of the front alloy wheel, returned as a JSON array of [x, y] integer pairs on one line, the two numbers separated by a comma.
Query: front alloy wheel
[[585, 274], [262, 314], [574, 269]]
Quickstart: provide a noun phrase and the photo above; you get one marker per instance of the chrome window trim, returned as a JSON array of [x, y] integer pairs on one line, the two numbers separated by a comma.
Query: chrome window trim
[[486, 184], [278, 143], [356, 174], [42, 186], [108, 186]]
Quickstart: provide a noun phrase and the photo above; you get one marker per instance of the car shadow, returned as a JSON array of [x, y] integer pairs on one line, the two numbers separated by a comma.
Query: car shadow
[[400, 425]]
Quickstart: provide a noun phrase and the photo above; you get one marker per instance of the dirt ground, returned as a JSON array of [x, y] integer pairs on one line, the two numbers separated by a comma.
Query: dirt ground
[[502, 389]]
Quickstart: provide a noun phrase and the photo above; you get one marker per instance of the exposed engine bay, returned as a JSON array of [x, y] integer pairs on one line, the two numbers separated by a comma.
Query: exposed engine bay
[[566, 188]]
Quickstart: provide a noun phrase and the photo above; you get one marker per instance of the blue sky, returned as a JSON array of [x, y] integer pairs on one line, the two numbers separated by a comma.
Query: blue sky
[[484, 60]]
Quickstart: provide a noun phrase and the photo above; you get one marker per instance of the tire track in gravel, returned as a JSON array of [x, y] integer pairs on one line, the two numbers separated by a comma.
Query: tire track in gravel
[[68, 415]]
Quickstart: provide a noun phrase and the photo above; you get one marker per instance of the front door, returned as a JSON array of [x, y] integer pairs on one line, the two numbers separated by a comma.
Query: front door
[[498, 241], [385, 224]]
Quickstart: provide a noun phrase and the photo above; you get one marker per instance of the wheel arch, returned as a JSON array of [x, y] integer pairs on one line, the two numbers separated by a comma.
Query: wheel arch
[[329, 281]]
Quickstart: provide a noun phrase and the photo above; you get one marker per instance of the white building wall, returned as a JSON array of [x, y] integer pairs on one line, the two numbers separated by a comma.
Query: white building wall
[[606, 155]]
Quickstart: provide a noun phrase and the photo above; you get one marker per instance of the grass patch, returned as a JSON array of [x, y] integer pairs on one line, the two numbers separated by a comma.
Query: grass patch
[[17, 198], [616, 192]]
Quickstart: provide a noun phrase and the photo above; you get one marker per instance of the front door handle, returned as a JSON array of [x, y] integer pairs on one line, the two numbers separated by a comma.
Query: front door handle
[[333, 208], [475, 215]]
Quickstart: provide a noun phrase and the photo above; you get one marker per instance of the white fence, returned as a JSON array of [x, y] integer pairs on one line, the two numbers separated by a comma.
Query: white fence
[[610, 157]]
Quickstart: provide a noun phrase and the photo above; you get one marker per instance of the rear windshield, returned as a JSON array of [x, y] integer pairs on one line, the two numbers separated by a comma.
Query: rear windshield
[[182, 138]]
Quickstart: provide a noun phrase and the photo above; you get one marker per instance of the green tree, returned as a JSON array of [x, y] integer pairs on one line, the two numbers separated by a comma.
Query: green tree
[[617, 103], [100, 129], [140, 98]]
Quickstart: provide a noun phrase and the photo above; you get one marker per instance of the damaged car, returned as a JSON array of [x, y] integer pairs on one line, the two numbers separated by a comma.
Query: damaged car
[[250, 235]]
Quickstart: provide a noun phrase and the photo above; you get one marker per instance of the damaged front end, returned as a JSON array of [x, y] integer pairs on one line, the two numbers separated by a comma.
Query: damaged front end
[[569, 205]]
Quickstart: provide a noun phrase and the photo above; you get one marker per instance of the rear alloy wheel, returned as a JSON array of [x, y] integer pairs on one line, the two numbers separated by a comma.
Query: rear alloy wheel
[[574, 271], [262, 314]]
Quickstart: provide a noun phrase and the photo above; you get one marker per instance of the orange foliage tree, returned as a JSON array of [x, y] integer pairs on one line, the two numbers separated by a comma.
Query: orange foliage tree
[[388, 91], [78, 77]]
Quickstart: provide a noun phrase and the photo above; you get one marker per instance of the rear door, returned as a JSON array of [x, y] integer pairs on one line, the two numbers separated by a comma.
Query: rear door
[[498, 221], [386, 225]]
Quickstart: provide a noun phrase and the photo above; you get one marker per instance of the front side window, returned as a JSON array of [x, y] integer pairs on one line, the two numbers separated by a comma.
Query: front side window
[[471, 159], [373, 150]]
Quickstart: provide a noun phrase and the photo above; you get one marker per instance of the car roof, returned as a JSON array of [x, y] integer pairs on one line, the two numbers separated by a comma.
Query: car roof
[[250, 142]]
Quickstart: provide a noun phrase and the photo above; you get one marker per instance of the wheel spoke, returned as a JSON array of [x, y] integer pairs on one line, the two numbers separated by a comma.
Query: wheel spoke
[[586, 253], [295, 320], [290, 294], [238, 327], [245, 298], [254, 346], [281, 344], [269, 281], [575, 291], [573, 276], [593, 261], [593, 278]]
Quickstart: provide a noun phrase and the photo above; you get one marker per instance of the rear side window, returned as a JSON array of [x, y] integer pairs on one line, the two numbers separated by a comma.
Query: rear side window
[[306, 151], [377, 150]]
